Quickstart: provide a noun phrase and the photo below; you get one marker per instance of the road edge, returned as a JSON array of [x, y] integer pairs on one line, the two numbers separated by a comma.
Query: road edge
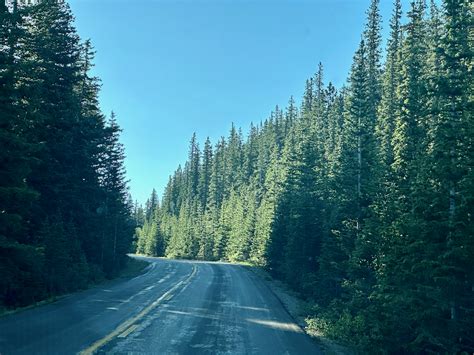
[[327, 346]]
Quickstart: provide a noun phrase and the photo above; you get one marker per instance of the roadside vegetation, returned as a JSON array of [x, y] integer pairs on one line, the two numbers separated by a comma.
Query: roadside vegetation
[[133, 267], [359, 198], [65, 219]]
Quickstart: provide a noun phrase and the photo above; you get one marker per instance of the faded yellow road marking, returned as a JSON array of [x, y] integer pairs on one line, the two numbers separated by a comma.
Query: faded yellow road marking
[[128, 331], [167, 298], [123, 327]]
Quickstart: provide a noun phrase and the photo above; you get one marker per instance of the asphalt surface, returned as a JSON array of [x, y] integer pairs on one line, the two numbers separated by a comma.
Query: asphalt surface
[[175, 307]]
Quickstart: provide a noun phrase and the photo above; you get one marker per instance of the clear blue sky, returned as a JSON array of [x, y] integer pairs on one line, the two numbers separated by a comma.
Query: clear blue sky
[[170, 68]]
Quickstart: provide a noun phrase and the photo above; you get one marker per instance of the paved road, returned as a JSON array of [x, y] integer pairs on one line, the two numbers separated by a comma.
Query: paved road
[[176, 307]]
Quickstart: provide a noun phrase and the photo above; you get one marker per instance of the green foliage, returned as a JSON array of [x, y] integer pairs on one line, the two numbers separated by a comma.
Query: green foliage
[[361, 200], [23, 276], [65, 265], [65, 220]]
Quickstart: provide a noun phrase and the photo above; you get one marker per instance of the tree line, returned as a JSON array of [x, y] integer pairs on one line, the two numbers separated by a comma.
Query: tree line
[[65, 215], [360, 198]]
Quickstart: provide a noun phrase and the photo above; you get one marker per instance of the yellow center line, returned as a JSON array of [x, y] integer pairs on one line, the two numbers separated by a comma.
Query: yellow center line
[[168, 298], [129, 322], [128, 331]]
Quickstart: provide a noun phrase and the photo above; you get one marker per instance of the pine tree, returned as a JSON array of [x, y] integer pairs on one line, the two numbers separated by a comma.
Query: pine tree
[[192, 169], [233, 157], [391, 81], [236, 242], [15, 155], [366, 79], [291, 115], [295, 238], [349, 179], [117, 227], [265, 213], [399, 286], [450, 152], [205, 174], [151, 205], [217, 184], [21, 265], [307, 99], [373, 40], [250, 152]]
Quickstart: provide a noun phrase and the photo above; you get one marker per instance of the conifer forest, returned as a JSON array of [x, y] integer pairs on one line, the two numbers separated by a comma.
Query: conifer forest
[[65, 218], [360, 198]]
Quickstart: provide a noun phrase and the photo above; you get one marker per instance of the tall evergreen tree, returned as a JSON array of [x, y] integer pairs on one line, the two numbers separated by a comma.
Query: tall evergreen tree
[[16, 152], [391, 81], [192, 169], [205, 174], [450, 153]]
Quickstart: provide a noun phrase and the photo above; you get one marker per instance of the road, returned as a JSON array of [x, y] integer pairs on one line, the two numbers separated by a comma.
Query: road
[[175, 307]]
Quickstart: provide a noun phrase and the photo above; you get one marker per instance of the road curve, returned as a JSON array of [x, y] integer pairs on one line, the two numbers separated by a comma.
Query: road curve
[[175, 307]]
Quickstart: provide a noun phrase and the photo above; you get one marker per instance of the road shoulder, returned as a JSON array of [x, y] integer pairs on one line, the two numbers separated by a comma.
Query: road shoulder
[[295, 307]]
